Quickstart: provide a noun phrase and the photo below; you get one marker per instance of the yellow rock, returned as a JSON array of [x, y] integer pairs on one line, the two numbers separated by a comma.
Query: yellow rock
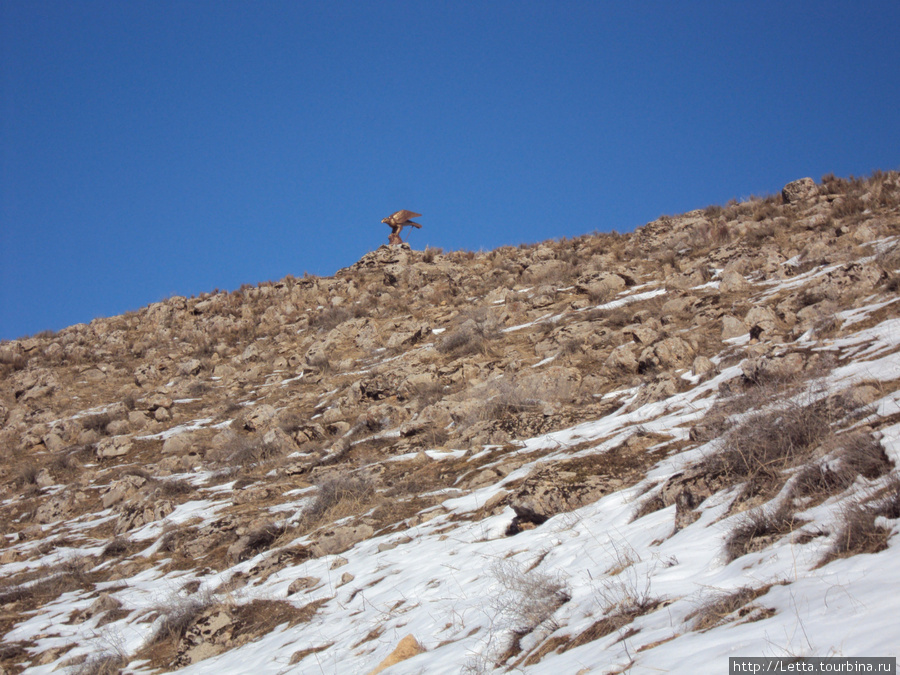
[[407, 648]]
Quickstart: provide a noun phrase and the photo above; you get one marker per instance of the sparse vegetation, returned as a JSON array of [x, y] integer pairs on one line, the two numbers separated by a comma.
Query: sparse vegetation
[[723, 606], [177, 613], [759, 528], [339, 496], [230, 438], [760, 448], [859, 528]]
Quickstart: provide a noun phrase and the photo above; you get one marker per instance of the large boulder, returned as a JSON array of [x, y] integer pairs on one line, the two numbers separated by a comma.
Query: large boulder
[[339, 539], [116, 446], [733, 327], [34, 384], [798, 190]]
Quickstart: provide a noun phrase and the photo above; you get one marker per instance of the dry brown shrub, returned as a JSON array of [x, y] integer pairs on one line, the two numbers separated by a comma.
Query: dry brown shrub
[[13, 360], [177, 487], [761, 234], [426, 394], [301, 654], [649, 505], [759, 449], [96, 422], [623, 598], [527, 598], [850, 205], [177, 613], [430, 253], [475, 332], [262, 616], [857, 454], [759, 528], [48, 582], [102, 663], [861, 454], [245, 452], [117, 548], [27, 474], [766, 209], [326, 319], [508, 398], [339, 496], [818, 482], [859, 533], [716, 610]]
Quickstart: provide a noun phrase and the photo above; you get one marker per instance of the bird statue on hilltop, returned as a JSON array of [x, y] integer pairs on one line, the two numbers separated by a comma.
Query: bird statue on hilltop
[[397, 221]]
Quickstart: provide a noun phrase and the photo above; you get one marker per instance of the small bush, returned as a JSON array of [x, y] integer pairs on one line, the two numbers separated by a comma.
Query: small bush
[[327, 319], [527, 598], [174, 488], [859, 530], [96, 422], [116, 548], [508, 399], [429, 254], [627, 592], [473, 335], [14, 360], [759, 528], [177, 614], [819, 482], [848, 206], [247, 451], [760, 448], [27, 475], [623, 598], [861, 454], [859, 533], [716, 610], [321, 363], [102, 663], [338, 497], [426, 394]]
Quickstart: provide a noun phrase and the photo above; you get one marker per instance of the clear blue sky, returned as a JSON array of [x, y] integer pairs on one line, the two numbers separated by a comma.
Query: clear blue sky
[[152, 148]]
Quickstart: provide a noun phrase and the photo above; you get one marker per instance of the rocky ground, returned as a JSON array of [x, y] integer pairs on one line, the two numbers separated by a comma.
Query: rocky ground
[[588, 455]]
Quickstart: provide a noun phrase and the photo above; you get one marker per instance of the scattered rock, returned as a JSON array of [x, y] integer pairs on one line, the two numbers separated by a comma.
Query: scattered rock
[[341, 538], [56, 508], [733, 282], [303, 584], [32, 385], [733, 327], [115, 446], [259, 418], [406, 649], [798, 190]]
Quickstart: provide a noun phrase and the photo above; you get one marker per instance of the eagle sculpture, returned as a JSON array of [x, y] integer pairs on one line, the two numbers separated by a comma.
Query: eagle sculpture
[[397, 221]]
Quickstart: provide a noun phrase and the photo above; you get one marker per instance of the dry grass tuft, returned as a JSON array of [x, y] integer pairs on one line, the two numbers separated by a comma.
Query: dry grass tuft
[[529, 597], [759, 528], [102, 663], [860, 531], [246, 452], [861, 454], [337, 497], [759, 449], [716, 610], [475, 332], [177, 614]]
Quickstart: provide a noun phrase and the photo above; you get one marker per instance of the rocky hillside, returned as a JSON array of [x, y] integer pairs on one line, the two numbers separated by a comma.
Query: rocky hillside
[[640, 451]]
